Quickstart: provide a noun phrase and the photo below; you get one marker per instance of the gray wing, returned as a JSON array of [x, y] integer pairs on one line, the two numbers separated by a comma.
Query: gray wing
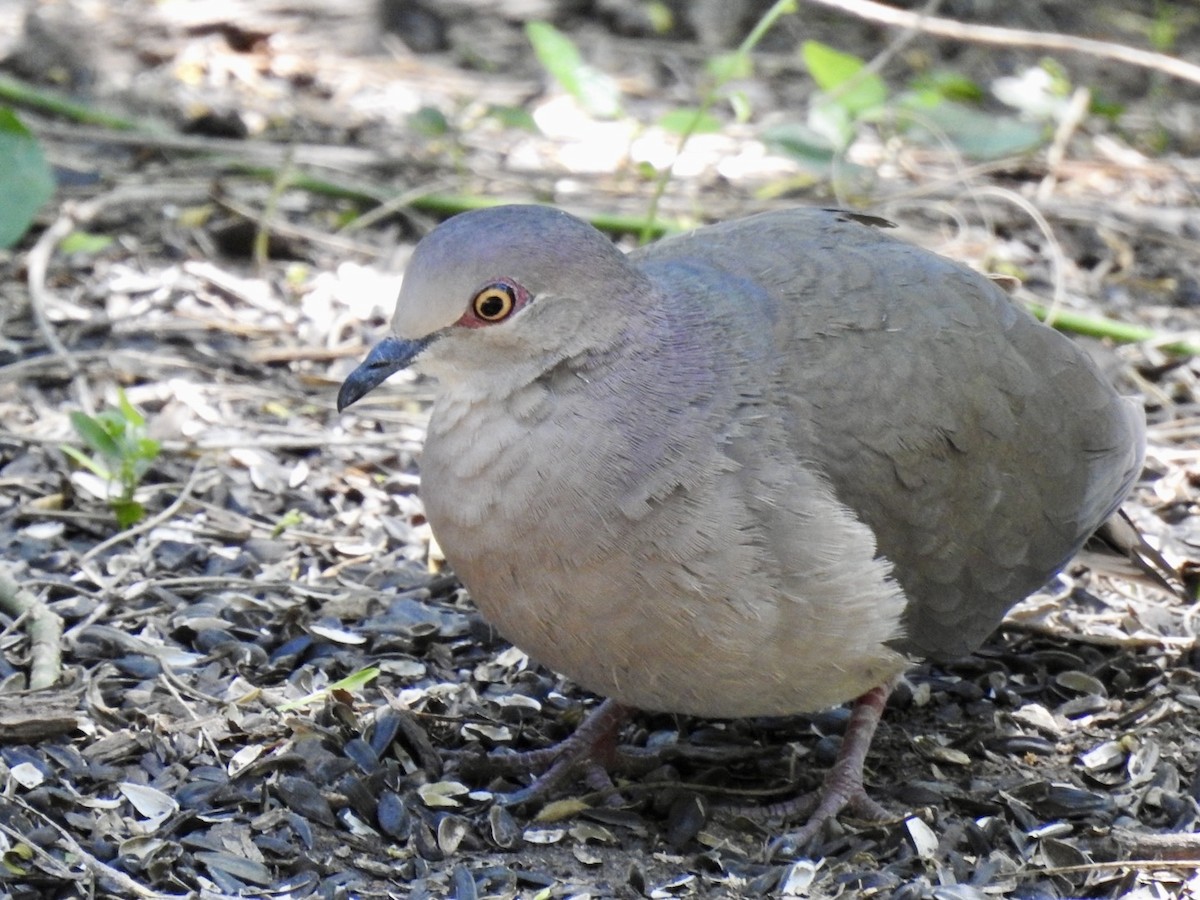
[[980, 446]]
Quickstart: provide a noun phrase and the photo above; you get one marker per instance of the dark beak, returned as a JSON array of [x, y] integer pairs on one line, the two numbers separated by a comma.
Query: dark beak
[[387, 357]]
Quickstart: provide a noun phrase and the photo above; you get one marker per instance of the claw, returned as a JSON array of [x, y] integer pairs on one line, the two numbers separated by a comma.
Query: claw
[[590, 749], [843, 787]]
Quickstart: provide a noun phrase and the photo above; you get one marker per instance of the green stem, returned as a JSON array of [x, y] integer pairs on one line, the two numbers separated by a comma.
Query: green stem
[[611, 223], [320, 186], [443, 204], [26, 95], [262, 232], [1100, 327], [766, 23], [449, 204]]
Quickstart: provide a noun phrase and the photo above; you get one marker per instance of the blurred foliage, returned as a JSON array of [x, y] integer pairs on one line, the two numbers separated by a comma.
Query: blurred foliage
[[595, 91], [936, 107], [85, 243], [26, 182]]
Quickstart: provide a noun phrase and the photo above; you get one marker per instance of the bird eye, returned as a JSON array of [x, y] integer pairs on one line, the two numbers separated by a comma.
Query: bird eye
[[495, 302]]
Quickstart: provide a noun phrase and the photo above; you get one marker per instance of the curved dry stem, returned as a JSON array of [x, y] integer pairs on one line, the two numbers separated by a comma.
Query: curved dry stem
[[1016, 37], [45, 631]]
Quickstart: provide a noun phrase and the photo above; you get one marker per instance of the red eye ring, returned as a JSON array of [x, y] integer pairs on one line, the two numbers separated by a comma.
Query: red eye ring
[[494, 303]]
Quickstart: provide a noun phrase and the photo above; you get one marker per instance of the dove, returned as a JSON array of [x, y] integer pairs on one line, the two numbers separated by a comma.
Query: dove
[[755, 469]]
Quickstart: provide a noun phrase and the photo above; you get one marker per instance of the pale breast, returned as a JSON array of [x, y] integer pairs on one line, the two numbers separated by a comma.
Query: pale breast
[[717, 582]]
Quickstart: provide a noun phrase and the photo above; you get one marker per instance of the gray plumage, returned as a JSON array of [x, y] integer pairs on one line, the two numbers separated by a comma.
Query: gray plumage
[[754, 469]]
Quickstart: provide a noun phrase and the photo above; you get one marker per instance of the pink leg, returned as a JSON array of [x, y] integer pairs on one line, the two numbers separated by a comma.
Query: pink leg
[[843, 787], [592, 749]]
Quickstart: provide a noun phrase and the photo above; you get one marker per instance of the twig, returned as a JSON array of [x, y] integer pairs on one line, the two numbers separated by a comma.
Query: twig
[[269, 442], [37, 262], [1075, 322], [269, 355], [1058, 273], [386, 208], [1015, 37], [359, 192], [26, 368], [906, 37], [966, 176], [452, 204], [45, 631], [1119, 865], [1075, 113], [887, 54], [101, 611], [616, 224], [170, 684], [334, 157], [268, 223], [1125, 642], [271, 156], [100, 869], [154, 521], [71, 215], [54, 865]]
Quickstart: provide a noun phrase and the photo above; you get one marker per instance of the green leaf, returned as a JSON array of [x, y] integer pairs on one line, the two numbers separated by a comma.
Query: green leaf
[[837, 74], [595, 91], [976, 133], [85, 242], [87, 462], [739, 102], [351, 682], [429, 122], [95, 435], [356, 680], [513, 117], [113, 423], [829, 67], [118, 436], [129, 411], [949, 86], [833, 121], [1060, 78], [290, 519], [661, 18], [1163, 31], [26, 182], [14, 860], [689, 121], [801, 143], [147, 449], [1105, 108]]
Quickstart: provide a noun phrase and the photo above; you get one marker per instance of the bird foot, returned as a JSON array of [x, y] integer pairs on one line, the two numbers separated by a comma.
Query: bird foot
[[843, 788], [590, 751], [825, 805]]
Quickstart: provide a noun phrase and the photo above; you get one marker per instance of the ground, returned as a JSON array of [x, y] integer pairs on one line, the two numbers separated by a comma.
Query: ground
[[199, 739]]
